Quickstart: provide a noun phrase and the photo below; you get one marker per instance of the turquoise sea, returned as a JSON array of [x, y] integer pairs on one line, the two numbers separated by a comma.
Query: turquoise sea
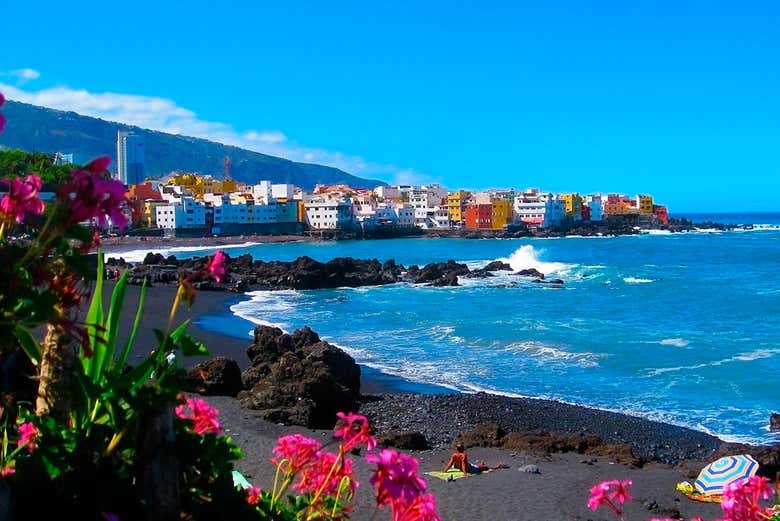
[[683, 328]]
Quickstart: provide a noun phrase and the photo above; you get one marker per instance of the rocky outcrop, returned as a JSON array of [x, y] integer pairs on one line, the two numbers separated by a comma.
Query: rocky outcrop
[[530, 272], [244, 274], [404, 440], [774, 422], [299, 379], [437, 273], [218, 376]]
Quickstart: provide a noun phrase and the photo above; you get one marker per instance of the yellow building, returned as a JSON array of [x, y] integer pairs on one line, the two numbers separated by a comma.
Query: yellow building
[[502, 213], [228, 185], [190, 182], [573, 203], [456, 204], [645, 204]]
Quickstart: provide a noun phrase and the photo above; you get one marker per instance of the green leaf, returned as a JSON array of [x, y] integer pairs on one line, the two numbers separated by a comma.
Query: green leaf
[[94, 321], [190, 347], [28, 343], [112, 324], [120, 363], [179, 331]]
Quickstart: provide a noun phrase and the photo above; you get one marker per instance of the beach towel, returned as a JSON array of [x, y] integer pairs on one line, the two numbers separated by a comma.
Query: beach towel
[[691, 493], [453, 474]]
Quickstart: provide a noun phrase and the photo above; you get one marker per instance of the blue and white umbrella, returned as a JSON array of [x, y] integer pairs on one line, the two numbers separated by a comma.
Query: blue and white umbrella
[[714, 478]]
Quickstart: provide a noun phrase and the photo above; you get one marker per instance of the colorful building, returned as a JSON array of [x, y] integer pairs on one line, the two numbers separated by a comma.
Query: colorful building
[[501, 214], [456, 205], [645, 204], [573, 205], [479, 216], [661, 214]]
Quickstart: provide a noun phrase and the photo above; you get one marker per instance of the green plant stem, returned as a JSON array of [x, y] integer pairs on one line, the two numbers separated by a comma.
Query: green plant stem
[[2, 231], [286, 483], [338, 462]]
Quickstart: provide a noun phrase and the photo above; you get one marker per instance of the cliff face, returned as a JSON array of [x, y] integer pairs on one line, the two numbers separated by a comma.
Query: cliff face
[[41, 129]]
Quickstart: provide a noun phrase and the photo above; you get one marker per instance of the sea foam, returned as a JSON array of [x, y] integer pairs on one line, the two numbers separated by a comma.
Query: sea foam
[[527, 257]]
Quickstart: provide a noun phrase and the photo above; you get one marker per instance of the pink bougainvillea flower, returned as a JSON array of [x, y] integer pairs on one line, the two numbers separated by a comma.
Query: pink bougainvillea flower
[[28, 435], [395, 478], [22, 197], [204, 417], [741, 500], [423, 508], [216, 266], [619, 491], [253, 495], [7, 471], [91, 196], [598, 495], [330, 467], [2, 118], [354, 430], [298, 451]]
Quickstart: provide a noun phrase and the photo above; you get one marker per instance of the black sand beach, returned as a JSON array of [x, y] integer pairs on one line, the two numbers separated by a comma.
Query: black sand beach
[[558, 491]]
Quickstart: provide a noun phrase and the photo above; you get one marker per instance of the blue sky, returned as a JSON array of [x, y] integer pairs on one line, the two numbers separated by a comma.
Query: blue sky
[[679, 101]]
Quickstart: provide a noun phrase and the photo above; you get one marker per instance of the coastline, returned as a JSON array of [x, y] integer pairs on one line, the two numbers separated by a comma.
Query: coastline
[[560, 490]]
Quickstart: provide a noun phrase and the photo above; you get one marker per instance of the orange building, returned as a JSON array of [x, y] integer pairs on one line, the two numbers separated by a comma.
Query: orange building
[[137, 195], [479, 216]]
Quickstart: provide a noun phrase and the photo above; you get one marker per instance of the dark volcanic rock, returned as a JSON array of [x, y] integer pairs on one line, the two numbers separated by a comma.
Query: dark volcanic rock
[[219, 376], [437, 273], [299, 379], [774, 422], [486, 434], [404, 440], [530, 272], [497, 266]]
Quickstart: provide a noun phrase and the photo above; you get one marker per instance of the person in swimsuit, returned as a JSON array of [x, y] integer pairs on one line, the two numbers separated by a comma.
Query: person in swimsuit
[[460, 461]]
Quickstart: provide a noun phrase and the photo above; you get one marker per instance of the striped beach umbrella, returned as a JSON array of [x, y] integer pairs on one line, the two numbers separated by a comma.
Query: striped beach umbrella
[[714, 478]]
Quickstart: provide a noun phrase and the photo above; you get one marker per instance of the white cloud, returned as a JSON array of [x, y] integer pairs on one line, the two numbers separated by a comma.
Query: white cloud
[[22, 75], [165, 115]]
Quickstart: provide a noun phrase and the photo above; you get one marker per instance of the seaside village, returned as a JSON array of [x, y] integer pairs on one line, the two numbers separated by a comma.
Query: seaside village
[[186, 204]]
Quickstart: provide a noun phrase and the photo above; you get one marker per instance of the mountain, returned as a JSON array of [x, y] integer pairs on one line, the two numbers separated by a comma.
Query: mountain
[[41, 129]]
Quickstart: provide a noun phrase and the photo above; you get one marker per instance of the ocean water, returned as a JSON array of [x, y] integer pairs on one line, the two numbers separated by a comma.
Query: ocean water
[[683, 328]]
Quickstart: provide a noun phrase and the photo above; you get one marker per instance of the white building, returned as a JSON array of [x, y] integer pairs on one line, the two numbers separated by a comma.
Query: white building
[[284, 191], [328, 215], [189, 213], [404, 215], [530, 207]]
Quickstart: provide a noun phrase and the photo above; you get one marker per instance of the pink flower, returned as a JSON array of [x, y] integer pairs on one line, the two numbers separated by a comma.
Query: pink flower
[[91, 196], [216, 265], [28, 435], [598, 495], [253, 495], [423, 508], [395, 478], [299, 451], [203, 416], [22, 197], [109, 516], [354, 430], [7, 471], [620, 491], [2, 118], [741, 500], [330, 467]]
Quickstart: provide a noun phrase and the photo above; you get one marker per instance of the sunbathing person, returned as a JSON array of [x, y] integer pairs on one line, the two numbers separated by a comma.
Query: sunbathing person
[[460, 461]]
